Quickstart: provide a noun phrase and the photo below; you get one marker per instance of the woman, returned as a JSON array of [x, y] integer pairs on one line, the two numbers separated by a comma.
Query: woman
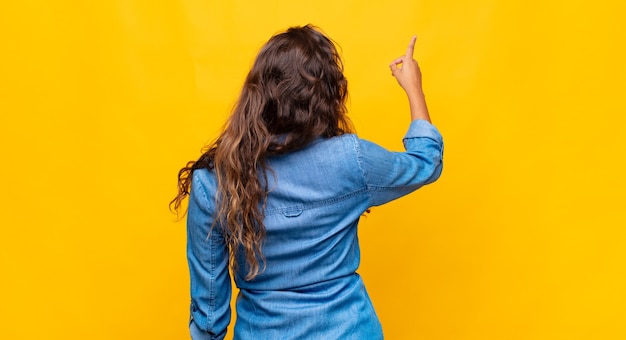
[[276, 199]]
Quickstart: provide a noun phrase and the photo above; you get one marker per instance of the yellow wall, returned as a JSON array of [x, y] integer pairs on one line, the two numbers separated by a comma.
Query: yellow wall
[[101, 102]]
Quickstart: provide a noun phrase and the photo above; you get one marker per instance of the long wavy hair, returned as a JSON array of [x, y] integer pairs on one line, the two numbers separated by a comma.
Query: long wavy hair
[[295, 92]]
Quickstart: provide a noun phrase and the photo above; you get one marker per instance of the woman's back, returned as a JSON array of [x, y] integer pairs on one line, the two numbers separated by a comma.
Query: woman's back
[[276, 199], [309, 288]]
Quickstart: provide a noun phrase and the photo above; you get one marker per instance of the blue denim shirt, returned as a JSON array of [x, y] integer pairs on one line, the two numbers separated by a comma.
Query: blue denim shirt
[[310, 288]]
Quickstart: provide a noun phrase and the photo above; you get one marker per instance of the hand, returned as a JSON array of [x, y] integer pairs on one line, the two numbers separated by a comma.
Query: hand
[[408, 74], [407, 71]]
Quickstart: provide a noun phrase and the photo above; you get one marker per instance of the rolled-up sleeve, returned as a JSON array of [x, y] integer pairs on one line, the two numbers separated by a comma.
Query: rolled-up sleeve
[[390, 175], [207, 256]]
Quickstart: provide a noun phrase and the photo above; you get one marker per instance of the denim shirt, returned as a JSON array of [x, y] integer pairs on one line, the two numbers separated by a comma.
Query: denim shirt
[[309, 288]]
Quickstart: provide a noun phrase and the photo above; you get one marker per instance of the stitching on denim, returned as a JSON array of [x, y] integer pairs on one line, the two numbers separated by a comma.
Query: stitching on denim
[[381, 188], [316, 204], [332, 200], [204, 200], [212, 290], [357, 150]]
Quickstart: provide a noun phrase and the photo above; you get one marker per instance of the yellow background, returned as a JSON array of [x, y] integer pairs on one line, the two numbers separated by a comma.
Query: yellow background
[[101, 102]]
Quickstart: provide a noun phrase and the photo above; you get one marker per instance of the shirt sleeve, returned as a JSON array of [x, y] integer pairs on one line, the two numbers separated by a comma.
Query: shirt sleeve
[[390, 175], [207, 256]]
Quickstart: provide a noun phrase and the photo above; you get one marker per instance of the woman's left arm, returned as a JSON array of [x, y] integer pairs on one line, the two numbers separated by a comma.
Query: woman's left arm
[[207, 256]]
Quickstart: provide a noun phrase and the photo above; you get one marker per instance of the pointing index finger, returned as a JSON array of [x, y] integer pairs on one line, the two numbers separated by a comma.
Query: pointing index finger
[[411, 48]]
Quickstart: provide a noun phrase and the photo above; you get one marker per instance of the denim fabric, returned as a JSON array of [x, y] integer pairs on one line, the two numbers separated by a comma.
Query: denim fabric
[[310, 288]]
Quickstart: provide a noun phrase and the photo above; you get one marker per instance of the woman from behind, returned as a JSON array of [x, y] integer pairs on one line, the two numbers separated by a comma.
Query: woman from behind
[[276, 199]]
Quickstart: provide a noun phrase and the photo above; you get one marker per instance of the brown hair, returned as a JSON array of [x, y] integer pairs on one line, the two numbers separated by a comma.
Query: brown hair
[[294, 93]]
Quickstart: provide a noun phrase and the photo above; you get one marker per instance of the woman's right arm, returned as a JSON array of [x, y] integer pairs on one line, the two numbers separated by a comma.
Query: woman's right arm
[[390, 175], [409, 76]]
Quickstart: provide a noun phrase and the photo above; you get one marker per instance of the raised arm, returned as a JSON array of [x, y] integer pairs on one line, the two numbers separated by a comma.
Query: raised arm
[[408, 74]]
